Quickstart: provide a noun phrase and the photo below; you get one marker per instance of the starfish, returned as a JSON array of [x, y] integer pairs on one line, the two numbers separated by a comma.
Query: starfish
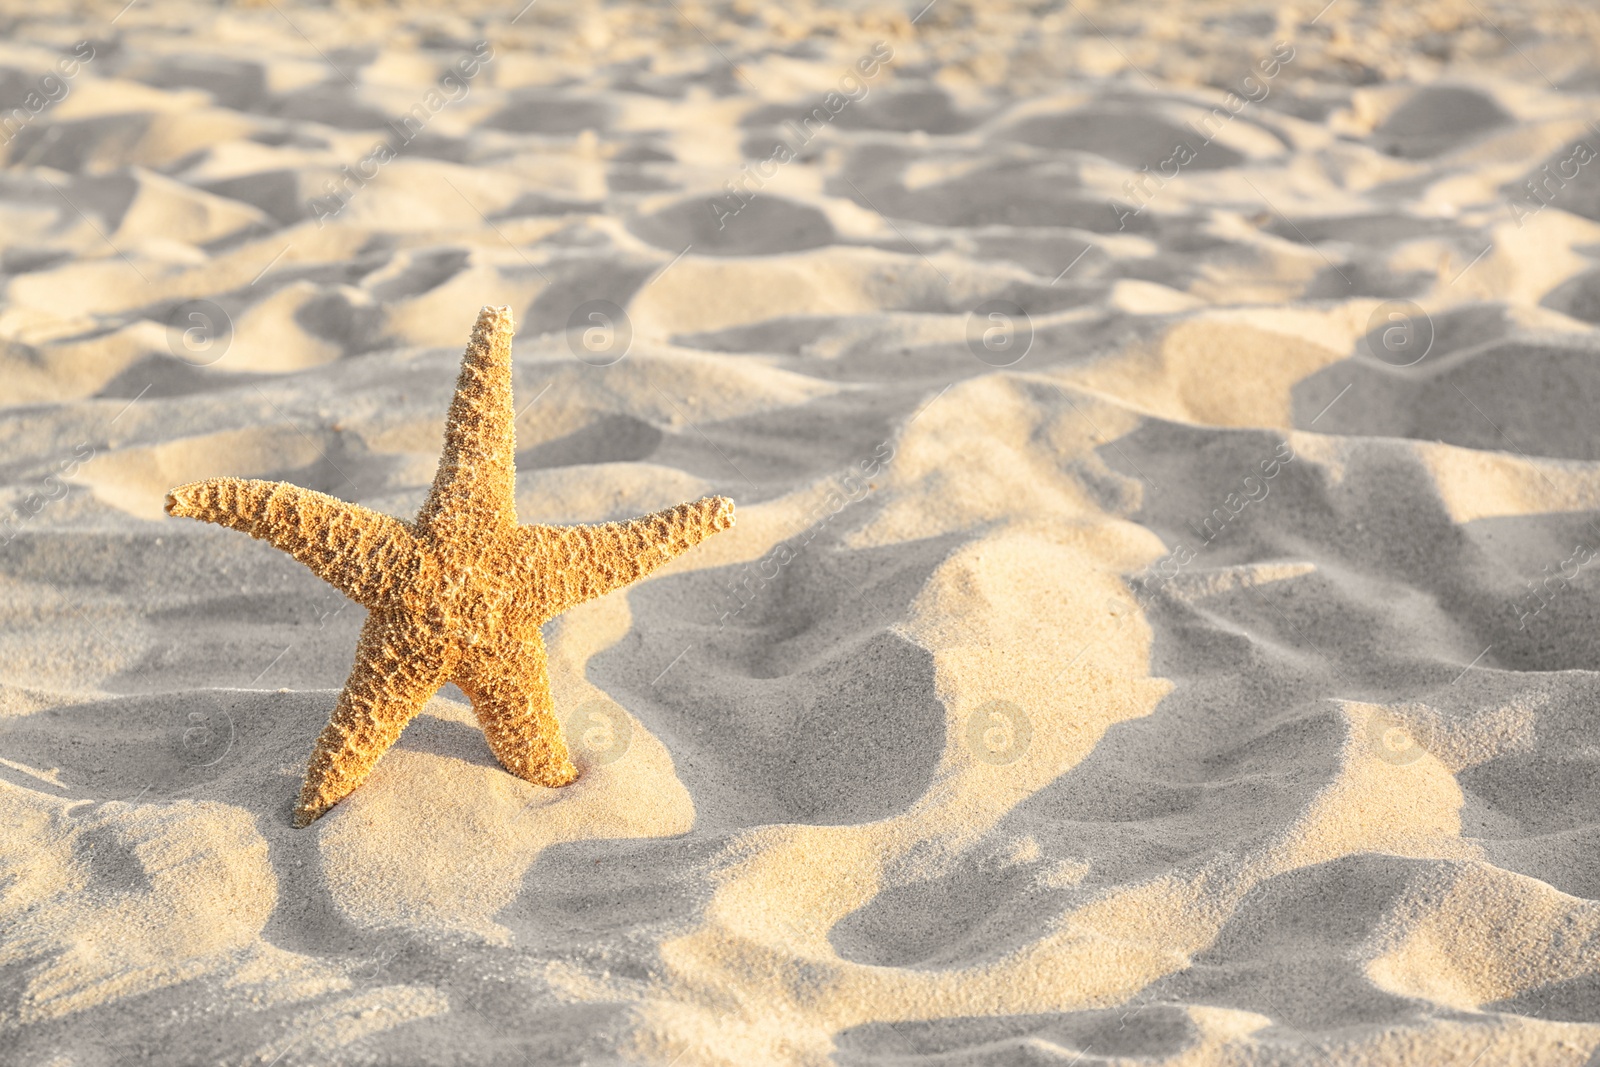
[[459, 593]]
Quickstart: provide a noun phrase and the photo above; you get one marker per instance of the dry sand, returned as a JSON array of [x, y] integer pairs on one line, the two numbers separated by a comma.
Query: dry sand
[[1177, 693]]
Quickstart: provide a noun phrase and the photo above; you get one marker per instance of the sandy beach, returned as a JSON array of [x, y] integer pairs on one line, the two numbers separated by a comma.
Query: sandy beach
[[1161, 624]]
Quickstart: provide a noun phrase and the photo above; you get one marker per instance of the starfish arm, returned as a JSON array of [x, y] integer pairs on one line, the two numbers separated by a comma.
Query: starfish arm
[[475, 484], [571, 564], [362, 553], [510, 690], [399, 666]]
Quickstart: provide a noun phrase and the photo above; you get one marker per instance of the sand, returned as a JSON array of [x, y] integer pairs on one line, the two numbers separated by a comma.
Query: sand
[[1160, 626]]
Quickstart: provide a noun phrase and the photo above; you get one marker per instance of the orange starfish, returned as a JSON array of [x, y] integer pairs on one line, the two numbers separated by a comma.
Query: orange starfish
[[458, 594]]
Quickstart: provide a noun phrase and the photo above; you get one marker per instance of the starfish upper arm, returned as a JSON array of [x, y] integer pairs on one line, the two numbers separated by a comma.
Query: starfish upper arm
[[475, 484], [360, 552], [572, 564]]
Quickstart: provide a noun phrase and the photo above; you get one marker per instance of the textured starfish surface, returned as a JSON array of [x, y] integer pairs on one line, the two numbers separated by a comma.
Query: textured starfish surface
[[459, 593]]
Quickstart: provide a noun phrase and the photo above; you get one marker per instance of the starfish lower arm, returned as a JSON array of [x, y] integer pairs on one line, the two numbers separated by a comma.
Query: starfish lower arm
[[510, 690], [399, 665]]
